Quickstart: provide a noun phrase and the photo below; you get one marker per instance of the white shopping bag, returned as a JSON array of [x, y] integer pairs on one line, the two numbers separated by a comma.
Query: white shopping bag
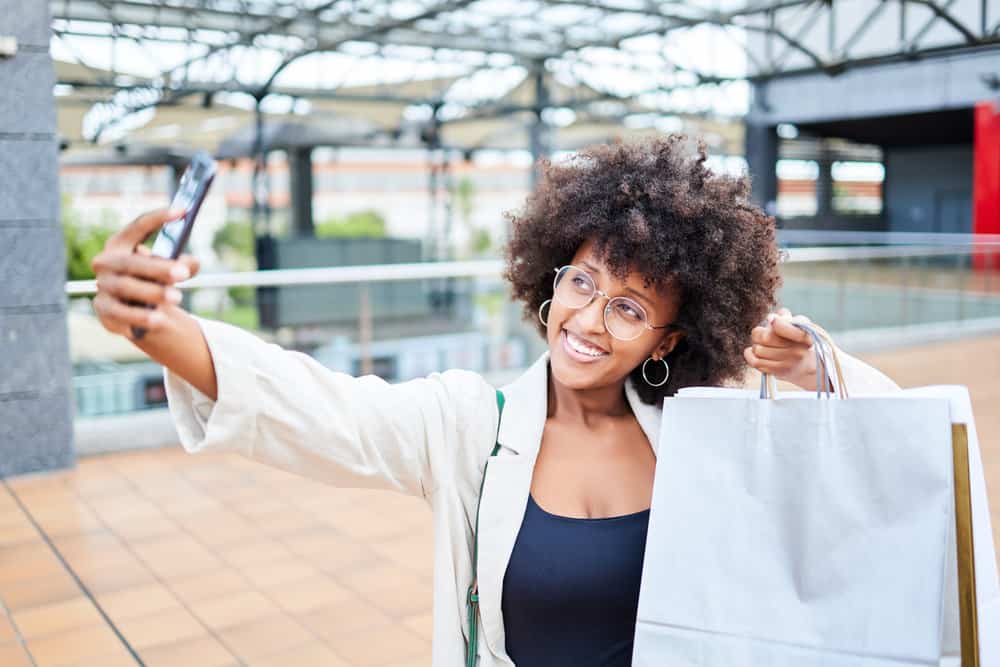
[[809, 532]]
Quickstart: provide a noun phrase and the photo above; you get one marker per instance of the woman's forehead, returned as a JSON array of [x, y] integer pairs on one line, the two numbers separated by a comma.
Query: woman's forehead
[[588, 257]]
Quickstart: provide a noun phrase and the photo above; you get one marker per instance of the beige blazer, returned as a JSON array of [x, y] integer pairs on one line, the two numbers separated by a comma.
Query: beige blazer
[[428, 437]]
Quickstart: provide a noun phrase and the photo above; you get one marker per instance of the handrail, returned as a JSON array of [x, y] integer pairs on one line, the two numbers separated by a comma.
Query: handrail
[[374, 273], [837, 237]]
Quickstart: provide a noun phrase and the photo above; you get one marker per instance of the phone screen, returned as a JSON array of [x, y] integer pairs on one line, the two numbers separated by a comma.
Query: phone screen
[[191, 191]]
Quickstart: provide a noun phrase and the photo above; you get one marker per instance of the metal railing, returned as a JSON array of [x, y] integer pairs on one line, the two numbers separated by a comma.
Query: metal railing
[[875, 294]]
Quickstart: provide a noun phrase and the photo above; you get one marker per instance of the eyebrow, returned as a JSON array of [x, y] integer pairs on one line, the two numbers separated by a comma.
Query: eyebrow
[[628, 289]]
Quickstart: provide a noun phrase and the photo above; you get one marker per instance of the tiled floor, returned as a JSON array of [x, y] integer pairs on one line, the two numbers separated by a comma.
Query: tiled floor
[[210, 560]]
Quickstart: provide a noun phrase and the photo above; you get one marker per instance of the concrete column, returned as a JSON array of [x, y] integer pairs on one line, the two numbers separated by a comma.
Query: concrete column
[[824, 183], [36, 426], [540, 133], [300, 167], [762, 159]]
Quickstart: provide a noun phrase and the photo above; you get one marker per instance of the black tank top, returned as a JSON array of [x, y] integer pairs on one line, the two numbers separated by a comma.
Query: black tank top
[[571, 589]]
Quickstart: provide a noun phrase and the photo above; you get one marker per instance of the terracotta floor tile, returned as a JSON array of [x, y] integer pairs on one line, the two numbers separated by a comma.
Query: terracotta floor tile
[[145, 528], [215, 584], [114, 577], [261, 508], [273, 573], [176, 557], [192, 503], [57, 617], [292, 523], [27, 561], [321, 542], [198, 652], [71, 520], [137, 601], [163, 627], [234, 609], [264, 636], [220, 528], [344, 618], [14, 655], [313, 654], [391, 588], [120, 658], [95, 547], [18, 531], [345, 557], [421, 624], [114, 509], [254, 551], [381, 646], [412, 552], [308, 594], [24, 593], [7, 632], [74, 646]]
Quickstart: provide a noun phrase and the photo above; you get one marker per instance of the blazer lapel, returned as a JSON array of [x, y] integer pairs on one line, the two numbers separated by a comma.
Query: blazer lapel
[[505, 494]]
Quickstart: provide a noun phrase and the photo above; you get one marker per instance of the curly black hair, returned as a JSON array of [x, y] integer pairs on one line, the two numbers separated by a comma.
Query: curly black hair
[[655, 208]]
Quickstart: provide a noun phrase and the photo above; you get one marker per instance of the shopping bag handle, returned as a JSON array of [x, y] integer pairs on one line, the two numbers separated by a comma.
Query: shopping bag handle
[[822, 347]]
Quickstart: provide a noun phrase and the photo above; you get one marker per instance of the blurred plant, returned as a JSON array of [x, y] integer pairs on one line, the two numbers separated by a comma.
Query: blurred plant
[[364, 224], [83, 241], [234, 244], [463, 194]]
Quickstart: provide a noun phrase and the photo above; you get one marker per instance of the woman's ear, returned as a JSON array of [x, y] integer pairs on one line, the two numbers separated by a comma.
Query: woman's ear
[[669, 342]]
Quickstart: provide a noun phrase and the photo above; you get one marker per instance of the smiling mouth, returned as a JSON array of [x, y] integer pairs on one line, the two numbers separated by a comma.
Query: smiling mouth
[[580, 348]]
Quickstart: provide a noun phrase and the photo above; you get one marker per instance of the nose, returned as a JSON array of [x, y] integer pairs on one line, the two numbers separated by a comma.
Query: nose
[[591, 316]]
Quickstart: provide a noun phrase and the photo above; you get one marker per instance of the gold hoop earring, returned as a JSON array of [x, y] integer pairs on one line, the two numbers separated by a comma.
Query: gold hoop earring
[[544, 322], [665, 376]]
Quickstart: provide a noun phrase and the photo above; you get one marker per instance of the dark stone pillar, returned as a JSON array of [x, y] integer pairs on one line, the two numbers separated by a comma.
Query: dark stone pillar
[[540, 132], [824, 183], [300, 168], [36, 425], [762, 159]]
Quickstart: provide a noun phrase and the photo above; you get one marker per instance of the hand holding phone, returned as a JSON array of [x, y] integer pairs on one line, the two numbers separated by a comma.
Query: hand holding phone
[[191, 191]]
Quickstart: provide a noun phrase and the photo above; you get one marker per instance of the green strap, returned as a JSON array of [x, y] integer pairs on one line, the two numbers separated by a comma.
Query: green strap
[[472, 600]]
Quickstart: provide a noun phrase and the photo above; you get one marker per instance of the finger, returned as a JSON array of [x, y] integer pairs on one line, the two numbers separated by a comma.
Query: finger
[[191, 262], [109, 323], [766, 336], [763, 365], [126, 288], [784, 328], [117, 314], [781, 354], [139, 229], [143, 250], [150, 268]]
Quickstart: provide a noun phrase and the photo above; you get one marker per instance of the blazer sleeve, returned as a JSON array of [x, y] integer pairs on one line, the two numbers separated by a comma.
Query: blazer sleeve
[[286, 409], [862, 378]]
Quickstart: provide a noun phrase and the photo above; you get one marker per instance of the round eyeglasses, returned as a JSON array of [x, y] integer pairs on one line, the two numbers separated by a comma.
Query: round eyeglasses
[[624, 318]]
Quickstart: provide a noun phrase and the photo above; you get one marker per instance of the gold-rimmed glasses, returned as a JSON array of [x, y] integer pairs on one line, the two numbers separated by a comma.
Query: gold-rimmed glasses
[[624, 318]]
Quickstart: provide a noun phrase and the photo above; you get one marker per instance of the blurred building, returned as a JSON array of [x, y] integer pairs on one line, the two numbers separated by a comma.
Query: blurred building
[[886, 83]]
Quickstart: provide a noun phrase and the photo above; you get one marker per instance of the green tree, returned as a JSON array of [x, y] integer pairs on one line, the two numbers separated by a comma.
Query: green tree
[[83, 242], [360, 224], [234, 244], [463, 193]]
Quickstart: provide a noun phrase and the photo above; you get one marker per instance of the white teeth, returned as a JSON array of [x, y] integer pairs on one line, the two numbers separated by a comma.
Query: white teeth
[[582, 347]]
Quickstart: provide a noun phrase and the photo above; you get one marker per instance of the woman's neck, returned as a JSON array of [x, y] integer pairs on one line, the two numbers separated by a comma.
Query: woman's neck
[[586, 406]]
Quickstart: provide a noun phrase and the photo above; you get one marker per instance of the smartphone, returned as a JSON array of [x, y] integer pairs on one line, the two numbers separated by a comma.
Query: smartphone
[[191, 191]]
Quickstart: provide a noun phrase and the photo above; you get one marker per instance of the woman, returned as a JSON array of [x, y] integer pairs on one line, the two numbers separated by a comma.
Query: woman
[[647, 273]]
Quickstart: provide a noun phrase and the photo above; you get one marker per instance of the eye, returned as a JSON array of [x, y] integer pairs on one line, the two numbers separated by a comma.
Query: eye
[[581, 283], [629, 311]]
